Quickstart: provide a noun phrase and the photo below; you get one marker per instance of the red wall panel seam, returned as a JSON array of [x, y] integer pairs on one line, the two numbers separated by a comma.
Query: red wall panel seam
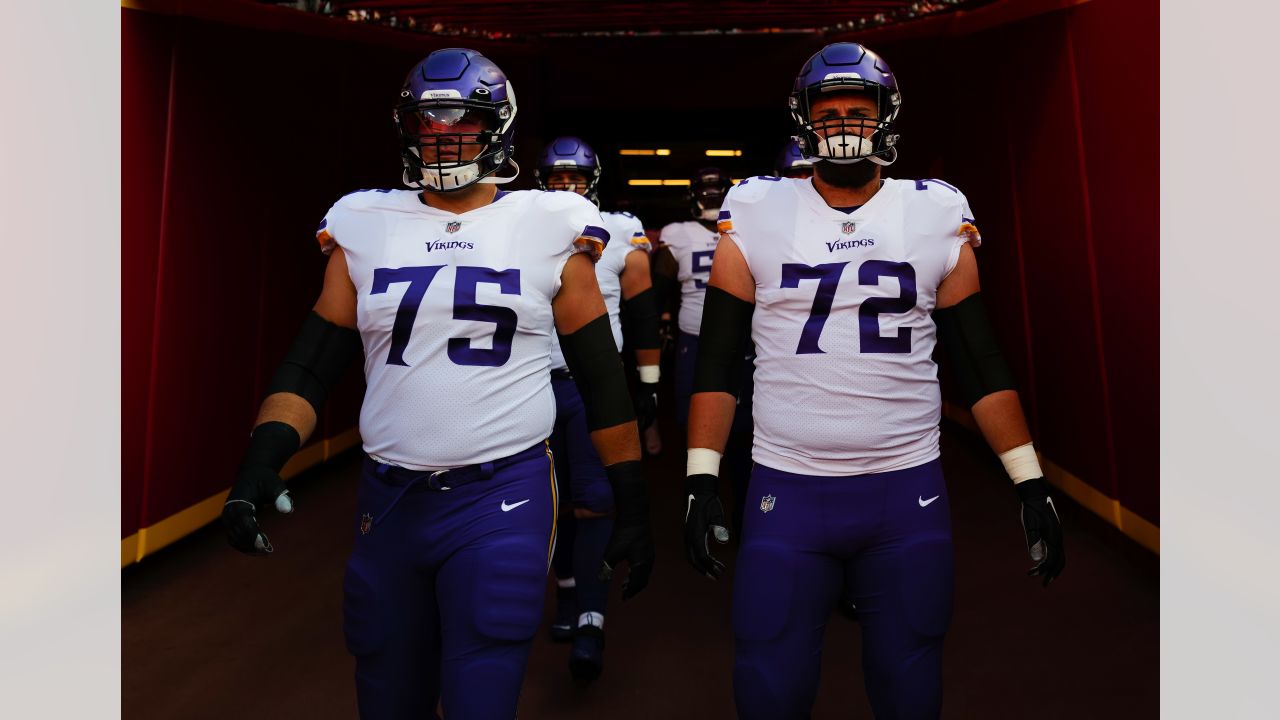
[[148, 449], [1087, 209], [1022, 264]]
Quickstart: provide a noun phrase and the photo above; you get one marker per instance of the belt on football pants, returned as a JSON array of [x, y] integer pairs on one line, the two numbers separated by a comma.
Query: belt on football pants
[[442, 480], [561, 374]]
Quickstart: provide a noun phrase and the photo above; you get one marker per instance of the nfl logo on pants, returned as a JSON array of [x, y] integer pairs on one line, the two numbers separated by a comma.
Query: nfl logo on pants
[[766, 503]]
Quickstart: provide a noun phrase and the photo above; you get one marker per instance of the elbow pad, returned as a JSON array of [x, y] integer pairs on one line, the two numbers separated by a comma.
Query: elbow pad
[[593, 360], [726, 325], [319, 355], [977, 365], [640, 317]]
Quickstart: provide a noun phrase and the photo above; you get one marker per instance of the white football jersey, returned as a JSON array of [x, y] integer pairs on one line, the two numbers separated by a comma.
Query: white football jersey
[[845, 383], [626, 235], [455, 315], [693, 246]]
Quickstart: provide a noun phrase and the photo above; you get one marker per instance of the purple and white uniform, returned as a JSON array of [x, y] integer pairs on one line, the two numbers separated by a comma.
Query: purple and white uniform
[[847, 494], [443, 590]]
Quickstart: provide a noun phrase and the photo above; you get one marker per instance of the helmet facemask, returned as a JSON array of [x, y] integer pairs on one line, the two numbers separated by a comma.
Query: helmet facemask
[[449, 143], [845, 140], [707, 190], [551, 177]]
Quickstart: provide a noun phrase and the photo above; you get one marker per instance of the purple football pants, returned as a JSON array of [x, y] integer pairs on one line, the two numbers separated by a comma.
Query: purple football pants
[[882, 540], [444, 589]]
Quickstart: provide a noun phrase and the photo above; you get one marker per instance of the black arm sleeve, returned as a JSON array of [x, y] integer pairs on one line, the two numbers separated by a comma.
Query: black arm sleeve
[[640, 320], [665, 285], [726, 325], [319, 355], [976, 362], [596, 367]]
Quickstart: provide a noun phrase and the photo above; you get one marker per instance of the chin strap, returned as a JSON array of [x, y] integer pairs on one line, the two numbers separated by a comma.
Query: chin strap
[[873, 158], [495, 180]]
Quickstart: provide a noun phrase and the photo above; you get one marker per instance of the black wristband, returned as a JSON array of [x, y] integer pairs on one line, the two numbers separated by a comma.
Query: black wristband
[[701, 484], [271, 445], [1033, 489], [630, 495]]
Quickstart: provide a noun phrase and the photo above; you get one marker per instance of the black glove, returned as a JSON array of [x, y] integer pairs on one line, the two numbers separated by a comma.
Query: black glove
[[258, 484], [631, 539], [703, 515], [1043, 528], [646, 402]]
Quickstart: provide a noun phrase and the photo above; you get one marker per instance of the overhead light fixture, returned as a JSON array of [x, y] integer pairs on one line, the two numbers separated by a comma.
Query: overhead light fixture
[[657, 182], [724, 153], [656, 151]]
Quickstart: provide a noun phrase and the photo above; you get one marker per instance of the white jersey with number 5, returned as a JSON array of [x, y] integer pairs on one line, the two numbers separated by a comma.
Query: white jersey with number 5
[[693, 246], [845, 383], [455, 315], [626, 235]]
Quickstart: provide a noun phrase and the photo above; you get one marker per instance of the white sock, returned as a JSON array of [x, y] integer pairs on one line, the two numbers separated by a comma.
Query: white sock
[[591, 618]]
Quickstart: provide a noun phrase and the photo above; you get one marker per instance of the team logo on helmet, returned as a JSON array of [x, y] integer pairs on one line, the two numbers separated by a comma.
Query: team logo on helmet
[[453, 227], [766, 503], [847, 228], [366, 523]]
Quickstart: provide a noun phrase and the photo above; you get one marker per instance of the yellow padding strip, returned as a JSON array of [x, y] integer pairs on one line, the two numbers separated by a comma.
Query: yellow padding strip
[[177, 526], [129, 550], [1142, 531]]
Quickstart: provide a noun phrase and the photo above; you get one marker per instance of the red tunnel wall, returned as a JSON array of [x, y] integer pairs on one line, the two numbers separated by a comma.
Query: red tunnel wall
[[231, 158], [230, 161], [1050, 127]]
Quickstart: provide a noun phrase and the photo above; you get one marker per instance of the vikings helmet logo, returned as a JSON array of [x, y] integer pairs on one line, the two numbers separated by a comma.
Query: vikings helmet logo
[[766, 503]]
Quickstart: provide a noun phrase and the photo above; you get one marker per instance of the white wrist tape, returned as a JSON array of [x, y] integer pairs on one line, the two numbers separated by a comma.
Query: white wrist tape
[[703, 461], [1021, 463], [649, 373]]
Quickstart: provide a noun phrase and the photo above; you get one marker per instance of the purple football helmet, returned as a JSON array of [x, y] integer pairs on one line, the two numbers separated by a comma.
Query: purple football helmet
[[456, 120], [792, 162], [846, 67], [569, 153], [707, 189]]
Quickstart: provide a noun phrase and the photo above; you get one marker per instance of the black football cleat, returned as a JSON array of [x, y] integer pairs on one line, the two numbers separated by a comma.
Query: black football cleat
[[586, 660]]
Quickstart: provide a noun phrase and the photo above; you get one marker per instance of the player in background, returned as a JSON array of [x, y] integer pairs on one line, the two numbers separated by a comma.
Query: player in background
[[454, 292], [682, 266], [792, 163], [586, 501], [844, 281]]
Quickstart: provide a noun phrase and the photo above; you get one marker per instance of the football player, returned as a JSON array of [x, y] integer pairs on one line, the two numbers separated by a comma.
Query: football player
[[453, 292], [569, 164], [845, 281], [682, 265], [792, 163]]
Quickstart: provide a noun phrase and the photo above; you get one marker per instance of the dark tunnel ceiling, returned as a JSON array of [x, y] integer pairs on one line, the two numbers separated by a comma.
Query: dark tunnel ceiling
[[552, 18]]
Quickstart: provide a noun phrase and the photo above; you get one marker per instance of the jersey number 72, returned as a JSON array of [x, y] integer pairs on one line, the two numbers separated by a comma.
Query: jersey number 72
[[869, 273]]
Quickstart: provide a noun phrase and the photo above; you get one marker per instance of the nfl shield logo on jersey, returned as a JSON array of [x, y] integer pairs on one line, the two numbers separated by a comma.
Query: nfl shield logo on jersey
[[366, 522], [847, 228], [453, 227], [766, 503]]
